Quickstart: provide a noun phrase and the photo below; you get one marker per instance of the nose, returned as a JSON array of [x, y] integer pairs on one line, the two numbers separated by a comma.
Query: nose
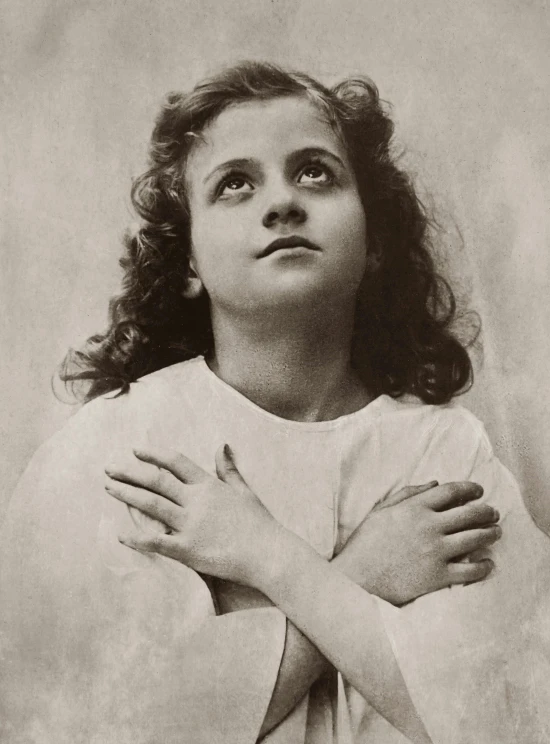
[[284, 209]]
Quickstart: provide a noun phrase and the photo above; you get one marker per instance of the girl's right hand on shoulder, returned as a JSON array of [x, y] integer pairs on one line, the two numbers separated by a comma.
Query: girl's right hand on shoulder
[[215, 524], [416, 542]]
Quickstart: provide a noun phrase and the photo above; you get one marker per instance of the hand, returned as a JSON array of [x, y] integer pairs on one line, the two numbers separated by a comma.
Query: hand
[[411, 543], [217, 527]]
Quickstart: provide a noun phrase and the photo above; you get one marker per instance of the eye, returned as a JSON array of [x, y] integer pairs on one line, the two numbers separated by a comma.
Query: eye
[[234, 183], [316, 173]]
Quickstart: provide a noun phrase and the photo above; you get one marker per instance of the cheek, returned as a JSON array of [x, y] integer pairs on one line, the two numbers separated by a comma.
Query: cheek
[[207, 243], [353, 225], [217, 236], [352, 234], [215, 255]]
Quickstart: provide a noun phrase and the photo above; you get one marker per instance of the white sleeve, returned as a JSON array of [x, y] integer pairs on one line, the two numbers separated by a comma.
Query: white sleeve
[[103, 645], [476, 658]]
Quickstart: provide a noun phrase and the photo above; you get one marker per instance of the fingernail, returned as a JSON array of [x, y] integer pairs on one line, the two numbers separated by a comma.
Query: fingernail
[[432, 484], [227, 451], [110, 469]]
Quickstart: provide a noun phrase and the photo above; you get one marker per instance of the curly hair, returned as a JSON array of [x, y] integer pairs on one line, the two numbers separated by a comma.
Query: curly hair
[[403, 338]]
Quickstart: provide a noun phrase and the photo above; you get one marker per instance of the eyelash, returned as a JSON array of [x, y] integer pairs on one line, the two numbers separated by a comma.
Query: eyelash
[[231, 176], [319, 163], [238, 175]]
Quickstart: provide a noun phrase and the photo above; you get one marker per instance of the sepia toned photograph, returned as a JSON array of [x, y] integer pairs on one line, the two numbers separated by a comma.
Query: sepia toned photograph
[[275, 348]]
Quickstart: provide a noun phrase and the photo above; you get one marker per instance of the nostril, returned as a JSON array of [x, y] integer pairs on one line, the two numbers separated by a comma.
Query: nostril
[[290, 213], [270, 218]]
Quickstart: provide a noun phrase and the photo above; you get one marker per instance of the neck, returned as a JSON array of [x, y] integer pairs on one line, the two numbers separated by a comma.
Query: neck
[[297, 369]]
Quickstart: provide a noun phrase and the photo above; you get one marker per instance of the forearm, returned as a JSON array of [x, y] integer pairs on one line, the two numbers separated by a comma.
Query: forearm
[[302, 664], [321, 601]]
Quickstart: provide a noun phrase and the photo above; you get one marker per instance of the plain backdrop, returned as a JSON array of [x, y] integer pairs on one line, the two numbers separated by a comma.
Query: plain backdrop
[[82, 82]]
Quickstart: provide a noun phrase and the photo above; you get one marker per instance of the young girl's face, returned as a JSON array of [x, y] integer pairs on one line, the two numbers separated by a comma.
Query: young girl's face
[[266, 171]]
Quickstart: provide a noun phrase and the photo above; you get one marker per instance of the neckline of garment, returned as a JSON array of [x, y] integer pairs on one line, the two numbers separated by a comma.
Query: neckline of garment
[[362, 413]]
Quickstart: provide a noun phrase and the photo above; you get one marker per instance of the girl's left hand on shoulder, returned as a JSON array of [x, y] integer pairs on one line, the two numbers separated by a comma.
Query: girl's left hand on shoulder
[[217, 525]]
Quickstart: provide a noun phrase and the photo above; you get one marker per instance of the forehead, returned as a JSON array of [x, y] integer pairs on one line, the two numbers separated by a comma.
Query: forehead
[[263, 129]]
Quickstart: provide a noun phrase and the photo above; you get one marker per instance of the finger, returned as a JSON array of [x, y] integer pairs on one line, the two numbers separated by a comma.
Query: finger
[[147, 502], [452, 494], [465, 573], [403, 494], [226, 470], [150, 477], [467, 517], [179, 465], [462, 543], [141, 522], [159, 543]]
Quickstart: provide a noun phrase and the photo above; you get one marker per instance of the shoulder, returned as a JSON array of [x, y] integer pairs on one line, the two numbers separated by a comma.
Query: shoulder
[[62, 490], [451, 419], [448, 443], [446, 430], [452, 443], [112, 423], [153, 389], [150, 398]]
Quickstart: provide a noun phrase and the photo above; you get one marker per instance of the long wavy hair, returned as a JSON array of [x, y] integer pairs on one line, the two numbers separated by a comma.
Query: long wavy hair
[[403, 338]]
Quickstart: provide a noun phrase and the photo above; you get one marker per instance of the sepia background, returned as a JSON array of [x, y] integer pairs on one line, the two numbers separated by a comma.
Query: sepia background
[[81, 84]]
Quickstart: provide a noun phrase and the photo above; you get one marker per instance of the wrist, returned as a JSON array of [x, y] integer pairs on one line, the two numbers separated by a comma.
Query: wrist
[[282, 552], [343, 565], [360, 575], [287, 562], [350, 569]]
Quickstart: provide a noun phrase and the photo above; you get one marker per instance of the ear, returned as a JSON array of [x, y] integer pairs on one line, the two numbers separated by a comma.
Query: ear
[[193, 286]]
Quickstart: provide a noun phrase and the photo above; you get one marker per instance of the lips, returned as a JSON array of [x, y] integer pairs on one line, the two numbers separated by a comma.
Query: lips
[[292, 241]]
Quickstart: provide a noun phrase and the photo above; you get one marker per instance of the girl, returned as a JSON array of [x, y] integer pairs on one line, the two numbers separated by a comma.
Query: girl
[[281, 366]]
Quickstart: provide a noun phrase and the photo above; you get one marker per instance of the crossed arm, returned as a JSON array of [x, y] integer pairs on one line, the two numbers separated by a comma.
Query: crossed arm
[[53, 583], [316, 619], [302, 663], [80, 627]]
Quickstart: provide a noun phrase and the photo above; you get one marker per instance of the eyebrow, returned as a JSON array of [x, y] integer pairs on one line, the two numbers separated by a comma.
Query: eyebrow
[[230, 164], [296, 155]]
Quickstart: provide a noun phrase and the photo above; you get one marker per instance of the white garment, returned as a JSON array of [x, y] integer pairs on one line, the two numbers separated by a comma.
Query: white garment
[[103, 645]]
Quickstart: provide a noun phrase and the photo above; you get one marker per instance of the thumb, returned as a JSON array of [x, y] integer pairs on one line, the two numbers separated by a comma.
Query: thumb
[[403, 494], [226, 470]]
